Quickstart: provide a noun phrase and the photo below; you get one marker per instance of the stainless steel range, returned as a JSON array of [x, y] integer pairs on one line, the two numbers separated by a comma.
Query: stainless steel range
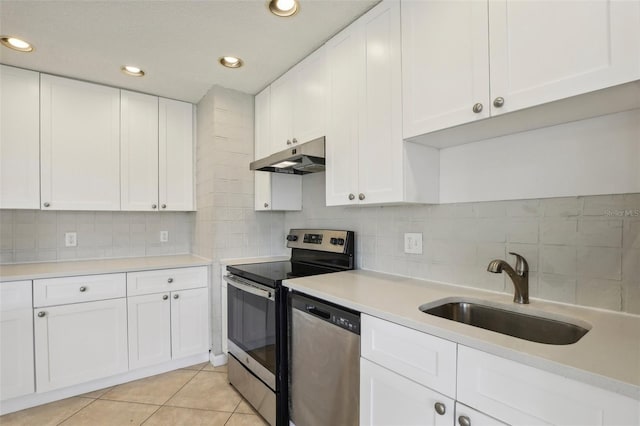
[[257, 315]]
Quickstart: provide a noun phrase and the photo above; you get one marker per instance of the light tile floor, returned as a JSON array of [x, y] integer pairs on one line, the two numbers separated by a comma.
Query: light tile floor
[[196, 395]]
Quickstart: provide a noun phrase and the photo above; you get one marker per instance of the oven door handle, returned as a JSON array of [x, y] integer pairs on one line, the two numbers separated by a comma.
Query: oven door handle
[[240, 285]]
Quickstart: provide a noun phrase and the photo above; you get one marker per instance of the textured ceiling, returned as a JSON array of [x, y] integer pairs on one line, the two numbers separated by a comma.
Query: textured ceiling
[[177, 43]]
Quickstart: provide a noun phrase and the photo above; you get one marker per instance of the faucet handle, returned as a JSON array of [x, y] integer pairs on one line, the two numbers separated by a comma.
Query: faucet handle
[[522, 267]]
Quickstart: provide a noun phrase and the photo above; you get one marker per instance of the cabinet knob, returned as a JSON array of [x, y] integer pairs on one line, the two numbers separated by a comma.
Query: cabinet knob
[[83, 289], [170, 280], [294, 140], [464, 421], [266, 205], [361, 196], [154, 206], [351, 196], [41, 314], [477, 108], [46, 204], [498, 102], [165, 297], [288, 142], [440, 408], [164, 206], [175, 296]]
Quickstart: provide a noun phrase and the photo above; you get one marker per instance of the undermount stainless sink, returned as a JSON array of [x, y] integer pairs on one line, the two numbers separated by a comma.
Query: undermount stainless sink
[[523, 326]]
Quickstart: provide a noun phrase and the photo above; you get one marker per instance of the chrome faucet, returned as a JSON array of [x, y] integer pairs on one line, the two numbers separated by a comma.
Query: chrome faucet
[[520, 276]]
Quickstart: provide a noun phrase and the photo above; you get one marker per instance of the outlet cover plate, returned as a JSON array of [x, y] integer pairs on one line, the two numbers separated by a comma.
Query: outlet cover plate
[[413, 242], [70, 239], [164, 236]]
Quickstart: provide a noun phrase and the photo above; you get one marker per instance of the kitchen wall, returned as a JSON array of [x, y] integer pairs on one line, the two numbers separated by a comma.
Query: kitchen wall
[[34, 235], [226, 226], [581, 250]]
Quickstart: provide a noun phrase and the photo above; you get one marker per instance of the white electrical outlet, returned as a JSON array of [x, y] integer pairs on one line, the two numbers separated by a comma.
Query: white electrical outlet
[[413, 242], [70, 239], [164, 236]]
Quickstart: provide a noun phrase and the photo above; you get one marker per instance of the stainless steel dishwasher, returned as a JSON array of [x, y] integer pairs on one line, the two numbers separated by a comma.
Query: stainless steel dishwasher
[[324, 360]]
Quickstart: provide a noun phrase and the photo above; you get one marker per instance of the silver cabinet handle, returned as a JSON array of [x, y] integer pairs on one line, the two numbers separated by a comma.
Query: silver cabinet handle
[[170, 280], [46, 204], [477, 108], [164, 206], [351, 196], [175, 296], [294, 140], [266, 205], [288, 142], [498, 102], [361, 196], [83, 289], [464, 421], [165, 297], [154, 206], [41, 314], [440, 408]]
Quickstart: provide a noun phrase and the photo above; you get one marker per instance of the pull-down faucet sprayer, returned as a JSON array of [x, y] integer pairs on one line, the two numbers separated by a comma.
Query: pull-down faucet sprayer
[[519, 276]]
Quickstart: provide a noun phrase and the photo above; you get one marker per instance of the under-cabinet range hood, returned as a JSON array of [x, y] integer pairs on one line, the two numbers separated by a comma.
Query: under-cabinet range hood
[[300, 159]]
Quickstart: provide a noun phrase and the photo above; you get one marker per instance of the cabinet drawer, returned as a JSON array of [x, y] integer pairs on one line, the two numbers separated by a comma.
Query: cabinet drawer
[[519, 394], [148, 282], [86, 288], [15, 295], [423, 358]]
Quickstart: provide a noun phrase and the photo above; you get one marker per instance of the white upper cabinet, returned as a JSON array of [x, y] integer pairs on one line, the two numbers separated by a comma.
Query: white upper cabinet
[[139, 151], [445, 64], [468, 60], [80, 145], [273, 191], [19, 138], [545, 51], [367, 161], [176, 155], [299, 103]]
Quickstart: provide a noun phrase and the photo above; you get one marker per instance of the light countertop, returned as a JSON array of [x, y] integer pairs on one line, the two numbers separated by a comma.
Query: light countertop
[[31, 271], [608, 356]]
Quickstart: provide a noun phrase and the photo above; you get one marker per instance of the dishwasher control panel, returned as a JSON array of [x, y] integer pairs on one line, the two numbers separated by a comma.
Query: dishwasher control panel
[[346, 323], [339, 316]]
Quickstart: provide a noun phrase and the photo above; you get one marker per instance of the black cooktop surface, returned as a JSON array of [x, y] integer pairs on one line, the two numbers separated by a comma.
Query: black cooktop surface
[[271, 274]]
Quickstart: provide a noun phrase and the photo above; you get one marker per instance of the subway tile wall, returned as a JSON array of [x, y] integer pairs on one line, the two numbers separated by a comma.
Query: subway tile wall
[[581, 250], [38, 236]]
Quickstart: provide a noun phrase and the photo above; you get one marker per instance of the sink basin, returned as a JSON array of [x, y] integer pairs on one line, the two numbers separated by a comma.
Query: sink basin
[[523, 326]]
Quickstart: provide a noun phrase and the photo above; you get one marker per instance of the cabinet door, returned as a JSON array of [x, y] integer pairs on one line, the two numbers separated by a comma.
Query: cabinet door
[[149, 329], [80, 145], [469, 416], [176, 155], [262, 148], [282, 96], [80, 342], [16, 340], [386, 398], [544, 51], [310, 102], [138, 151], [381, 167], [346, 67], [189, 322], [19, 138], [445, 64]]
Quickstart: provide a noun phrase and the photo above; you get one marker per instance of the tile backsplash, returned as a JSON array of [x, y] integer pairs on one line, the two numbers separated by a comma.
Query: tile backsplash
[[38, 236], [580, 250]]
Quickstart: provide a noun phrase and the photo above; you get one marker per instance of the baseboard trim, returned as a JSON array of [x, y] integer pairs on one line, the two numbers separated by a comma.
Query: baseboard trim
[[219, 359]]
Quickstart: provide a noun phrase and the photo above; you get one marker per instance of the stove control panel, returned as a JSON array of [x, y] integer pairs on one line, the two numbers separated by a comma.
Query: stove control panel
[[321, 239]]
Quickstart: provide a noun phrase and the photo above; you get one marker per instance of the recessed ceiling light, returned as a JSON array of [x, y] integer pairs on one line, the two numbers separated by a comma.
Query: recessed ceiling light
[[283, 7], [16, 44], [231, 62], [132, 71]]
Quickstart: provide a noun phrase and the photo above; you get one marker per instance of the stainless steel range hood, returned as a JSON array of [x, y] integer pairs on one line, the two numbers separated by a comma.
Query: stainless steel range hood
[[300, 159]]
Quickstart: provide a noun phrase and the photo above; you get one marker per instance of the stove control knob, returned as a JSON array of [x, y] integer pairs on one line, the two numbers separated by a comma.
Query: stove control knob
[[292, 238], [333, 241], [340, 241]]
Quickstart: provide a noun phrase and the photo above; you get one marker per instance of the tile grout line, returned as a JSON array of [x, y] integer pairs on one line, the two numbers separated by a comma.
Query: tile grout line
[[77, 411]]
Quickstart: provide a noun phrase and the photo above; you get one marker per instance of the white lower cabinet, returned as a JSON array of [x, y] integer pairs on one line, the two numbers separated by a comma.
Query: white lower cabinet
[[189, 322], [466, 416], [149, 329], [80, 342], [16, 340], [387, 398]]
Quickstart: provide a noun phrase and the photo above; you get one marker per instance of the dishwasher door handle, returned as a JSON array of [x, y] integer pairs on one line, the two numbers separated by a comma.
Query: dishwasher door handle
[[317, 312]]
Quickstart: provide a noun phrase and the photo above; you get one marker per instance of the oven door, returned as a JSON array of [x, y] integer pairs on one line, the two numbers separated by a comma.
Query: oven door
[[252, 327]]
